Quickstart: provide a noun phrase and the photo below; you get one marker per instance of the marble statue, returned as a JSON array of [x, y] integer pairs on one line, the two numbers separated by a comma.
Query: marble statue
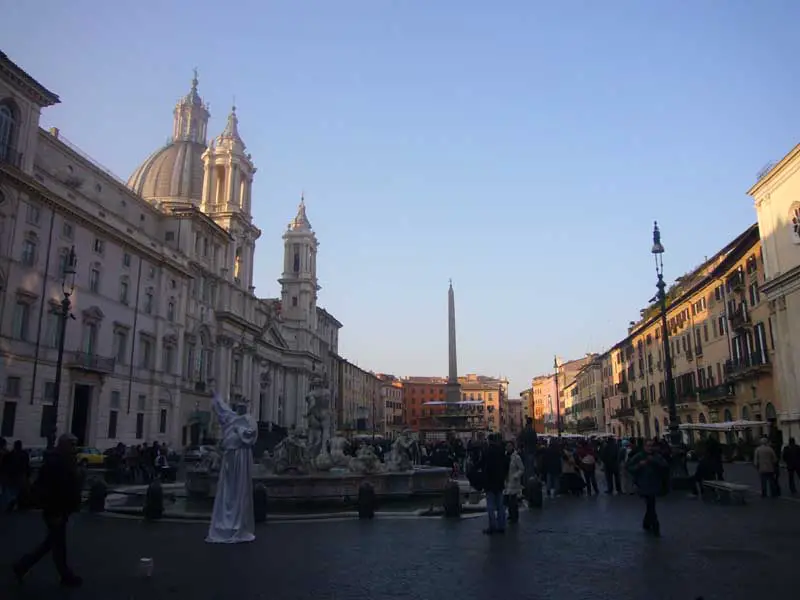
[[232, 519], [320, 419], [366, 461], [400, 456], [291, 454], [339, 457]]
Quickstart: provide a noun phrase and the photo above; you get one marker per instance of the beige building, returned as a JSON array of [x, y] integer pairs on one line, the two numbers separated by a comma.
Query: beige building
[[164, 307], [358, 401], [528, 408], [777, 200], [392, 404], [588, 407], [567, 390], [620, 415], [512, 418], [720, 342], [569, 415], [491, 392]]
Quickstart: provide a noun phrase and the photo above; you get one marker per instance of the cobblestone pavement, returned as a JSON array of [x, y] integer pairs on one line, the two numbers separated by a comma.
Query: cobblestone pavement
[[582, 548]]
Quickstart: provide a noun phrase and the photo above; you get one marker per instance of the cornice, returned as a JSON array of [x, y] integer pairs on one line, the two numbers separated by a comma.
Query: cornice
[[776, 285], [768, 181], [33, 89], [51, 199]]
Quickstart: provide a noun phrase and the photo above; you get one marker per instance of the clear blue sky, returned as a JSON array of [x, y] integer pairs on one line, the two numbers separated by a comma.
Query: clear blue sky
[[522, 148]]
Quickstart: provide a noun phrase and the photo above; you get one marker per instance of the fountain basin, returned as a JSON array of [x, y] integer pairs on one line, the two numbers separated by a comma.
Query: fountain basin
[[332, 486]]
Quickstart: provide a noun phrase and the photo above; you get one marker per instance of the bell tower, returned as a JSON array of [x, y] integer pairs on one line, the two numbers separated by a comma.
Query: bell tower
[[299, 285], [227, 197]]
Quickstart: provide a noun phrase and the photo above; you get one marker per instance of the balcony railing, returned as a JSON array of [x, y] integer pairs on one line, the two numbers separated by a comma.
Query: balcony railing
[[719, 394], [747, 365], [10, 156], [736, 281], [740, 318], [623, 413], [90, 362], [587, 424], [623, 387]]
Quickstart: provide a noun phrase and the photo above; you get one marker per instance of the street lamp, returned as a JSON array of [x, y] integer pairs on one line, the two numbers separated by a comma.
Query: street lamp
[[558, 402], [67, 288], [678, 470]]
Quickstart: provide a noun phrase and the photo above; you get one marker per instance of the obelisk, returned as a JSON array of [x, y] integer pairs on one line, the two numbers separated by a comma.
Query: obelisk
[[452, 388]]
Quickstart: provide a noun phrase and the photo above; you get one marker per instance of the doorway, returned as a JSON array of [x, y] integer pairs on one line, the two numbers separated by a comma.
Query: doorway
[[80, 412]]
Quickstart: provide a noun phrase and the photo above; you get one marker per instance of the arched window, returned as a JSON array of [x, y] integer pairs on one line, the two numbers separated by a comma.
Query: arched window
[[7, 125], [728, 416], [769, 409]]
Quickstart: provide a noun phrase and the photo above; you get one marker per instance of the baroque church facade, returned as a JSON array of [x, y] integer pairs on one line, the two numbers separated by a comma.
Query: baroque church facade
[[163, 306]]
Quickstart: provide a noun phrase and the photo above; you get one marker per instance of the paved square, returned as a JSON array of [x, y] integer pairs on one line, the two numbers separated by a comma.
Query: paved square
[[582, 548]]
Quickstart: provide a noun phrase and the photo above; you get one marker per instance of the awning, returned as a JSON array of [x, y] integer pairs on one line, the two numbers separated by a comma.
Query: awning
[[724, 426]]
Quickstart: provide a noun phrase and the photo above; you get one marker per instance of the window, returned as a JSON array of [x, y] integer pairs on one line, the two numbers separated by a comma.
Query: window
[[116, 399], [7, 124], [9, 418], [162, 421], [22, 314], [34, 214], [169, 236], [141, 403], [67, 230], [13, 387], [63, 261], [294, 300], [148, 301], [121, 345], [123, 290], [48, 420], [112, 424], [99, 246], [126, 260], [49, 391], [755, 296], [29, 251], [52, 327], [139, 426], [171, 310], [146, 353], [94, 280], [169, 358], [90, 338], [237, 370]]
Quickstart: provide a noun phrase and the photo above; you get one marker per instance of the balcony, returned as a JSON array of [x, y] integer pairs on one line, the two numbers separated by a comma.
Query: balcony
[[9, 156], [622, 387], [736, 281], [587, 424], [740, 318], [719, 394], [747, 366], [643, 406], [623, 413], [698, 350], [92, 363]]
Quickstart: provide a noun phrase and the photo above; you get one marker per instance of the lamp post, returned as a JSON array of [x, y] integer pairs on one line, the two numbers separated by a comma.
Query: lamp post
[[67, 288], [678, 472], [558, 402]]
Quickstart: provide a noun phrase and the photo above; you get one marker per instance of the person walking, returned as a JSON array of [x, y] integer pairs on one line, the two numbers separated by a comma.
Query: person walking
[[58, 491], [791, 458], [527, 444], [514, 485], [16, 468], [766, 461], [610, 456], [495, 464], [647, 468]]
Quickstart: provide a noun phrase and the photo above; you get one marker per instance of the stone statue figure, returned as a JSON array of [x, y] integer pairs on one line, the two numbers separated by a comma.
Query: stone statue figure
[[338, 456], [320, 419], [290, 454], [366, 461], [400, 457]]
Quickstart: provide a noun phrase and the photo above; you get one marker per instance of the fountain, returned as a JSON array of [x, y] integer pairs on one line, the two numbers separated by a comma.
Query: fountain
[[311, 467]]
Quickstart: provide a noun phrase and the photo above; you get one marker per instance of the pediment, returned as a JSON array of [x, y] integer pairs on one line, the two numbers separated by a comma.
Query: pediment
[[93, 313], [274, 336]]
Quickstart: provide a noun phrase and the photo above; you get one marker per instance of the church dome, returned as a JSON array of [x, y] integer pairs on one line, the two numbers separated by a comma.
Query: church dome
[[172, 172], [175, 172]]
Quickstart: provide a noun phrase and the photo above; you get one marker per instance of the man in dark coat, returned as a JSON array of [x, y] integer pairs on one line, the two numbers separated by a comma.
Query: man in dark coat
[[648, 468], [494, 464], [610, 458], [528, 442], [58, 491]]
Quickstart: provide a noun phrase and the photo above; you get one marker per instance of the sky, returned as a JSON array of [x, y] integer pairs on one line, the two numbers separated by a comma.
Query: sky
[[521, 148]]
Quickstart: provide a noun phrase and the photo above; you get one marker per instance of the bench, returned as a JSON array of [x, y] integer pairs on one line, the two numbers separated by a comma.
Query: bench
[[724, 492]]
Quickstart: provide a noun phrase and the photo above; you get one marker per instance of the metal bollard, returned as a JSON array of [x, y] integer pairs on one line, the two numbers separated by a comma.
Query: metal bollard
[[98, 490], [452, 500], [154, 501], [366, 500], [260, 502]]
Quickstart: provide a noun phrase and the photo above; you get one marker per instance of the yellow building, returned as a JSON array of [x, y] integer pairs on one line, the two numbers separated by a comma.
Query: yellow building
[[566, 388], [543, 390], [720, 342], [777, 200], [491, 391]]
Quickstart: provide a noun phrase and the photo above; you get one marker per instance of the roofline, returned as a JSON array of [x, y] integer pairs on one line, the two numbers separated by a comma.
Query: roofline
[[773, 172], [35, 90]]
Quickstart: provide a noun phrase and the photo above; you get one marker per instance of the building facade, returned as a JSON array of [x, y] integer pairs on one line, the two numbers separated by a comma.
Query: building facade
[[512, 418], [358, 401], [392, 403], [588, 407], [544, 399], [163, 305], [721, 345], [417, 392], [777, 202]]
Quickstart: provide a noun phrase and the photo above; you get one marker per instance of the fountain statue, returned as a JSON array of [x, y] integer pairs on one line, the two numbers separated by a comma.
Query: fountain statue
[[400, 457], [320, 421]]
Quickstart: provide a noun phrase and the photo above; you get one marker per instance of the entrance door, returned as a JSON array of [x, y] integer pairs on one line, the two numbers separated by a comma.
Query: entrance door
[[80, 412]]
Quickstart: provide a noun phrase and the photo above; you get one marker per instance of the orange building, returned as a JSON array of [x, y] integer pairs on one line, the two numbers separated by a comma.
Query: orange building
[[416, 392]]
